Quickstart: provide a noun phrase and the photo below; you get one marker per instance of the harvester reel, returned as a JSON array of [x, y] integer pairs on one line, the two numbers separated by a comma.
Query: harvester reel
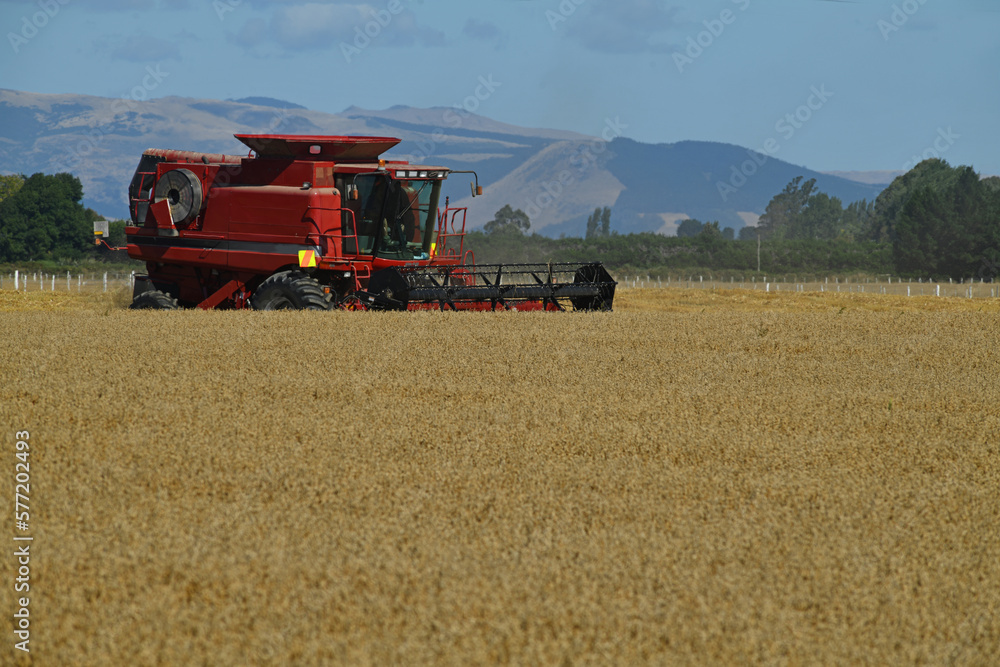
[[555, 286], [290, 290], [154, 300], [182, 189]]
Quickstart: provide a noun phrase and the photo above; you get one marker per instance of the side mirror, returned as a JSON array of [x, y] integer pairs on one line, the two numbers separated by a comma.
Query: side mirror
[[477, 190], [355, 195]]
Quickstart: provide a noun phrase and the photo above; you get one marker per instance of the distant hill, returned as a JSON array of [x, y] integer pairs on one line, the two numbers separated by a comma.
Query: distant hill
[[268, 102], [699, 179], [870, 177], [559, 177]]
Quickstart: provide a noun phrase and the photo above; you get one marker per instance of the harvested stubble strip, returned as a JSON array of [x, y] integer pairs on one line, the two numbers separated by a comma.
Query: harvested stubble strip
[[234, 488]]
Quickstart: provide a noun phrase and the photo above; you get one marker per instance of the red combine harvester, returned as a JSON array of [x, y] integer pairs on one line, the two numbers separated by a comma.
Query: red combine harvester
[[319, 222]]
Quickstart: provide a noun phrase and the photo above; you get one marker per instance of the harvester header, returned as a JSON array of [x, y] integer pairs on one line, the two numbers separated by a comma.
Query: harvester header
[[319, 222]]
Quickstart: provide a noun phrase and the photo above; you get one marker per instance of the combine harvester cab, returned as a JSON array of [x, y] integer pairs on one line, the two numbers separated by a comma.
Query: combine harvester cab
[[318, 222]]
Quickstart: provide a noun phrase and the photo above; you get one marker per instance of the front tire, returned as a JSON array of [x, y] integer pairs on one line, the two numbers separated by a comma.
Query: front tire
[[290, 290], [154, 300]]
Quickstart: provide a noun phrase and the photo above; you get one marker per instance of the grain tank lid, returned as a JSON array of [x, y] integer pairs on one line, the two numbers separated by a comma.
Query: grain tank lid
[[302, 147]]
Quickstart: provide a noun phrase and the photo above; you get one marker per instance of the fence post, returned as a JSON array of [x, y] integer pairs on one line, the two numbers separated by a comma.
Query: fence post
[[17, 279], [105, 281], [937, 291]]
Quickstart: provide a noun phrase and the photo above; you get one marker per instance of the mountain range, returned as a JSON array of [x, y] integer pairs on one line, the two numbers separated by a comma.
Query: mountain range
[[557, 177]]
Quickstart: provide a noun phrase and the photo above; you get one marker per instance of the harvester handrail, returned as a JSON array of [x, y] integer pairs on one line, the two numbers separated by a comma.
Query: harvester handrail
[[342, 237], [139, 200], [444, 223]]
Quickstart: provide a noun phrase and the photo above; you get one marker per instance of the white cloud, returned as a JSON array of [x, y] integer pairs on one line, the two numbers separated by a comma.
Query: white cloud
[[300, 26], [624, 26]]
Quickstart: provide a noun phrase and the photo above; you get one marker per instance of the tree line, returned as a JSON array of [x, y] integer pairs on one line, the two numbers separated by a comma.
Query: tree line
[[940, 221], [41, 218], [935, 221]]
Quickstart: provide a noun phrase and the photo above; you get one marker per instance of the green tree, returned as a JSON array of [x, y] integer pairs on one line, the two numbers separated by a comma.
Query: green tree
[[116, 233], [9, 185], [820, 219], [606, 222], [857, 219], [947, 231], [729, 233], [45, 220], [592, 222], [711, 229], [935, 174], [689, 228], [782, 214], [507, 221], [748, 234]]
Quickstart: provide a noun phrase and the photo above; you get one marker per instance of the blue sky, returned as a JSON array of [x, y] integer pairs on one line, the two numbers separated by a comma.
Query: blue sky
[[834, 84]]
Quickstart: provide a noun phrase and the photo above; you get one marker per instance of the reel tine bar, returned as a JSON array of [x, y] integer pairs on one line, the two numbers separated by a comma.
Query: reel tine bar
[[552, 286]]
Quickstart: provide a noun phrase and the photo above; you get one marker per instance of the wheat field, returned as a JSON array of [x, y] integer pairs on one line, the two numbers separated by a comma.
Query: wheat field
[[700, 477]]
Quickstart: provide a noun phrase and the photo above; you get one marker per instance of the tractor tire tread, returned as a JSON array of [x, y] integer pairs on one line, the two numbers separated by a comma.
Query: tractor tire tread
[[297, 289], [154, 300]]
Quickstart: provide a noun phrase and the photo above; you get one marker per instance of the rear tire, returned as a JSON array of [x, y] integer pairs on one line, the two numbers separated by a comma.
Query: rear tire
[[290, 290], [154, 300]]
